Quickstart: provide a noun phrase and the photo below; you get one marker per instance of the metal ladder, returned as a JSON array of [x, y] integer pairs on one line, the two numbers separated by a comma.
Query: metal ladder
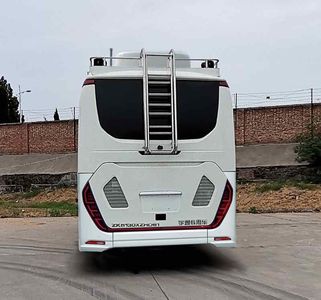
[[160, 117]]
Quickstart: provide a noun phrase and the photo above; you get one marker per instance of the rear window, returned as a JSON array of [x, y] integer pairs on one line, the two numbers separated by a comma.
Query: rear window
[[120, 107]]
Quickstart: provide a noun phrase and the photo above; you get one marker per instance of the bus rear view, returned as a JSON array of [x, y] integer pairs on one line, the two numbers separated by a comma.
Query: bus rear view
[[156, 153]]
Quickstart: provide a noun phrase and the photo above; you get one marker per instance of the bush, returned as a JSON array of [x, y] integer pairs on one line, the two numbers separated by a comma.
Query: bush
[[269, 186], [309, 148], [253, 210]]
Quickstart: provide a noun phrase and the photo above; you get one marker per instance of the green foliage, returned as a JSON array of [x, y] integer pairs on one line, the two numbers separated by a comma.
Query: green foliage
[[309, 147], [54, 209], [32, 193], [8, 103], [56, 115], [304, 185], [276, 185], [253, 210], [309, 150], [269, 186]]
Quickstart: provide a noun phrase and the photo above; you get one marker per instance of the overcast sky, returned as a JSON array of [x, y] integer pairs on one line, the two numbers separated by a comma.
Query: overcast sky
[[266, 45]]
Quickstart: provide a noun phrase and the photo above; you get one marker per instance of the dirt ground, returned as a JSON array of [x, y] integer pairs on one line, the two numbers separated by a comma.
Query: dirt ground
[[251, 197], [48, 203], [286, 199]]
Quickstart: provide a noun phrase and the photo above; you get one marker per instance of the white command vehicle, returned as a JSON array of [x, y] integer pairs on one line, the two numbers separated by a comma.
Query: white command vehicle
[[156, 153]]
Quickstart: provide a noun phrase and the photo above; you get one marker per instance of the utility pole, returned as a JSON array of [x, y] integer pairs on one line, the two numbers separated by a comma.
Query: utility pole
[[111, 57], [312, 117], [19, 97], [74, 116], [235, 111], [20, 110]]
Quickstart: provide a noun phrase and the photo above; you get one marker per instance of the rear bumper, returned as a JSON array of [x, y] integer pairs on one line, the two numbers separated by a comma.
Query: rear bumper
[[89, 232], [158, 242]]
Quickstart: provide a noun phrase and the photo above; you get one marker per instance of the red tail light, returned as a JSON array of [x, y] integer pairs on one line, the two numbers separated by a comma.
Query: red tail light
[[88, 82], [93, 242], [223, 83], [224, 205], [222, 238], [92, 208]]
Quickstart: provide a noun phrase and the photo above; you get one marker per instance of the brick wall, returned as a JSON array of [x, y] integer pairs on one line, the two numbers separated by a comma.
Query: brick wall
[[262, 125], [279, 124], [13, 138], [39, 137]]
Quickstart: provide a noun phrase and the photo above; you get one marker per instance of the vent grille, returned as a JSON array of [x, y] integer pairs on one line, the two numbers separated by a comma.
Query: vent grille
[[114, 194], [204, 192]]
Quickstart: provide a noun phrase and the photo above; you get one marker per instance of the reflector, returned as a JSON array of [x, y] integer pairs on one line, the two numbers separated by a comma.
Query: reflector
[[91, 242], [222, 238]]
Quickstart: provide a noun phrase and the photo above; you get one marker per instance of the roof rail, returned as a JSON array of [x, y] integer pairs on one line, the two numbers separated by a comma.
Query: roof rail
[[105, 60]]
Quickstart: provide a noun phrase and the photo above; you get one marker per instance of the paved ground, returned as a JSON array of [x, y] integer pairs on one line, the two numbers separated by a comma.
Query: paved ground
[[38, 164], [278, 257], [246, 156]]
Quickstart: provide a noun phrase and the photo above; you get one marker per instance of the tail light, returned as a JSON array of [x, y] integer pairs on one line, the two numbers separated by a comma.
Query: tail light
[[223, 83], [92, 208], [88, 82], [224, 205]]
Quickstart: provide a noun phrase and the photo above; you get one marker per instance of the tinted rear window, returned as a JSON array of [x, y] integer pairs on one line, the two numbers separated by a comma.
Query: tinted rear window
[[120, 107]]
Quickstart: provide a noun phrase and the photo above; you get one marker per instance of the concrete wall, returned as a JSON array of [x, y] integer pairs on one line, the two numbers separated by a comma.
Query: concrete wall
[[252, 126]]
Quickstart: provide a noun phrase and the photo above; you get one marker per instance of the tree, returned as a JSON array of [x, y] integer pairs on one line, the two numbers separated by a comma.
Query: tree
[[309, 147], [56, 115], [8, 103]]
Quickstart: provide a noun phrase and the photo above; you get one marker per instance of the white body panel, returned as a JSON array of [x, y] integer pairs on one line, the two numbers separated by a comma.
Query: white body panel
[[154, 184]]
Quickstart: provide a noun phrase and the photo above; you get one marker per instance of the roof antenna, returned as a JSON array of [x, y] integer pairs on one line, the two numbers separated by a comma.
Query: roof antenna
[[111, 56]]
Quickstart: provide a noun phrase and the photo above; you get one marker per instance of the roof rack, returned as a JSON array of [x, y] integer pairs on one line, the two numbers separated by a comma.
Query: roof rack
[[107, 60]]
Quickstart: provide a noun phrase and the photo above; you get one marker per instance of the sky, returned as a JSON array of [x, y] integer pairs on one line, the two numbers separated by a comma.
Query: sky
[[263, 46]]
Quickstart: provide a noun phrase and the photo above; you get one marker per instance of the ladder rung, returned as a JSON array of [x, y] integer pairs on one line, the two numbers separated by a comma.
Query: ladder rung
[[159, 54], [159, 104], [159, 113], [159, 77], [160, 133], [160, 126], [159, 94], [159, 82]]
